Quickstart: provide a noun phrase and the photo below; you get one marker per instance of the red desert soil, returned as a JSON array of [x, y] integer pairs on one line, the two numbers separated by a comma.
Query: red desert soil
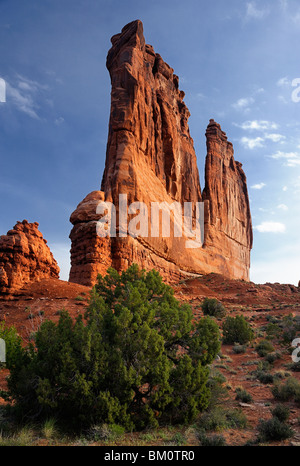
[[44, 299]]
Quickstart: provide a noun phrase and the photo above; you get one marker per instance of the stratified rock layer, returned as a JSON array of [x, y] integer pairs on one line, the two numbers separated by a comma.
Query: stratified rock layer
[[151, 158], [24, 258]]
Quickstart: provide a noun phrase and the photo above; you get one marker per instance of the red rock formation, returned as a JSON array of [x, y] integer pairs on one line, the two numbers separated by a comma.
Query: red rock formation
[[228, 226], [24, 257], [150, 158]]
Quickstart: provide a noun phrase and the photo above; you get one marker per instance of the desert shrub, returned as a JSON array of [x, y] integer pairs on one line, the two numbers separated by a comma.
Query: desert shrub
[[134, 359], [243, 395], [212, 440], [104, 432], [273, 331], [295, 367], [274, 429], [239, 349], [265, 377], [213, 420], [264, 347], [283, 331], [288, 390], [236, 419], [272, 357], [289, 328], [237, 330], [213, 307], [282, 412], [219, 392], [218, 419]]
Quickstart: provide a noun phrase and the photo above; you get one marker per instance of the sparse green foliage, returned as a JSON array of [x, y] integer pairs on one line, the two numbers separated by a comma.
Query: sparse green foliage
[[212, 307], [288, 390], [274, 429], [239, 349], [134, 359], [243, 395], [214, 440], [218, 419], [264, 347], [282, 412], [237, 330]]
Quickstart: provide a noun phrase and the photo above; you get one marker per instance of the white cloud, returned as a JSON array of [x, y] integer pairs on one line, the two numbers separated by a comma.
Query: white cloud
[[258, 186], [275, 137], [252, 143], [24, 94], [253, 12], [23, 101], [282, 82], [260, 91], [270, 227], [30, 85], [283, 4], [292, 159], [59, 121], [285, 188], [282, 99], [258, 125], [283, 207], [243, 103]]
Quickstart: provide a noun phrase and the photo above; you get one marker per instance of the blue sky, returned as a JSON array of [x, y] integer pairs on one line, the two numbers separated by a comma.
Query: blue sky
[[237, 62]]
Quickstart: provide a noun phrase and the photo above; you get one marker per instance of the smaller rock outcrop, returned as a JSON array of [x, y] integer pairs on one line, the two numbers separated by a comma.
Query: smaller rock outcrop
[[24, 258]]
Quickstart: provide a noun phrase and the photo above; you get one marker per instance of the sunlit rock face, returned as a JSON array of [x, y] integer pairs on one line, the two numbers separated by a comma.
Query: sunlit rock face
[[24, 258], [150, 158]]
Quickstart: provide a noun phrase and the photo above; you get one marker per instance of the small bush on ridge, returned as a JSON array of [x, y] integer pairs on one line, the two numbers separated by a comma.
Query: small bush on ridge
[[237, 330], [213, 307]]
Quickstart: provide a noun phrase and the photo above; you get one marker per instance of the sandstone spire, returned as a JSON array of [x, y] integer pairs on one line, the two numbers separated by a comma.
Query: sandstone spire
[[151, 158]]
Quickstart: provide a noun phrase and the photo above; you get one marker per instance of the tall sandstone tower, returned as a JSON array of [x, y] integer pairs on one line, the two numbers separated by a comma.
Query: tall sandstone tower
[[151, 158]]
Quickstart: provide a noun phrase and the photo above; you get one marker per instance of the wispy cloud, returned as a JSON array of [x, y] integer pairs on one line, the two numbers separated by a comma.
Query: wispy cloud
[[283, 4], [258, 125], [253, 12], [283, 82], [270, 227], [258, 186], [275, 137], [282, 207], [252, 143], [23, 101], [243, 103], [291, 159], [24, 94], [261, 126]]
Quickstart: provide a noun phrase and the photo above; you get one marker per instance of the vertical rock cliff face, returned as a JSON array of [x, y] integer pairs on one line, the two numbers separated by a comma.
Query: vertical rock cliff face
[[150, 158], [24, 258], [228, 227]]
